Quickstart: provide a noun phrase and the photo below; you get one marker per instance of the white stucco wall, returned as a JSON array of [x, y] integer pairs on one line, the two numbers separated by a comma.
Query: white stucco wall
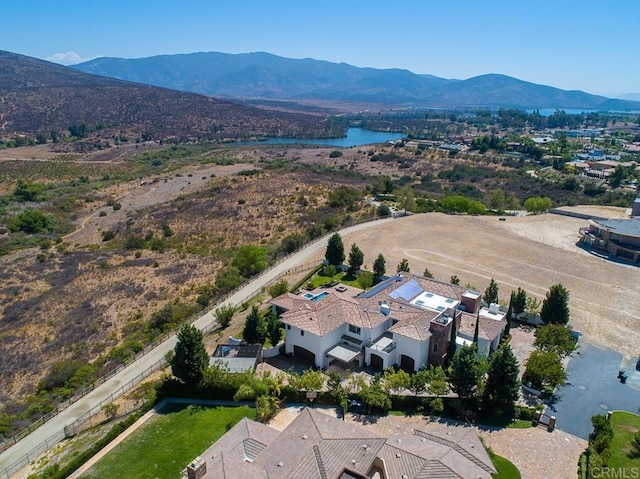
[[418, 350]]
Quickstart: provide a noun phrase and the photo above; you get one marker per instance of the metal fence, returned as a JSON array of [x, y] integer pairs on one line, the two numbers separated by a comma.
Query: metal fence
[[74, 427]]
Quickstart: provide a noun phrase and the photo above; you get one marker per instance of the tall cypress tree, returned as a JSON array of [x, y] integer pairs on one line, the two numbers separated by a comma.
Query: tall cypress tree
[[190, 359], [476, 333], [502, 388], [452, 338], [335, 250], [507, 328]]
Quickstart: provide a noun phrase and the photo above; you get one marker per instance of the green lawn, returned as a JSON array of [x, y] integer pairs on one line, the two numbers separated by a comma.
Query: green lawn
[[506, 469], [625, 453], [319, 280], [163, 446]]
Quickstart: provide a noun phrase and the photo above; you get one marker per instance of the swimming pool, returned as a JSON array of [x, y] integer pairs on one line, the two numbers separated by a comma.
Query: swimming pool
[[320, 296]]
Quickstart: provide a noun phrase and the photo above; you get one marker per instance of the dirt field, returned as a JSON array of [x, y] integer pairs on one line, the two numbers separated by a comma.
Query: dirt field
[[533, 252]]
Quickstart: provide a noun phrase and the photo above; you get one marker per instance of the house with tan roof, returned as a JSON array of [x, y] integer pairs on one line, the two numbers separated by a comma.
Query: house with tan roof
[[317, 446], [406, 320]]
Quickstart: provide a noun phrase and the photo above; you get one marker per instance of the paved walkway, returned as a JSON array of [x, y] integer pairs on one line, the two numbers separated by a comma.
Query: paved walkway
[[25, 447], [592, 388]]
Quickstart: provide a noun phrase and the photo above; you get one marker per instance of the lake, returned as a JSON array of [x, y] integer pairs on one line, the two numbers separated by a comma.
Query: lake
[[355, 137], [568, 111]]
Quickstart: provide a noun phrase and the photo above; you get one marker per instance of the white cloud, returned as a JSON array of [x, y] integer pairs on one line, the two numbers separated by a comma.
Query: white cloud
[[67, 58]]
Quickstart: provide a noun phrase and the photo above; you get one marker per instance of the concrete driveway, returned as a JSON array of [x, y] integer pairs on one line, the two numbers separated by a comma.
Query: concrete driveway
[[592, 388]]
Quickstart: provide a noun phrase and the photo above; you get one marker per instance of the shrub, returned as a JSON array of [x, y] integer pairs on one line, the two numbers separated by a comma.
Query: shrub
[[32, 221], [335, 154], [278, 288], [383, 210], [108, 235], [116, 206], [224, 314], [329, 271]]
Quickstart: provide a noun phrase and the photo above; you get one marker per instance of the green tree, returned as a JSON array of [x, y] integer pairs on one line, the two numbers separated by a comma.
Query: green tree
[[476, 331], [365, 279], [419, 382], [403, 266], [395, 380], [437, 381], [278, 288], [375, 396], [491, 293], [266, 407], [555, 307], [544, 368], [229, 279], [502, 387], [32, 221], [309, 380], [335, 250], [507, 328], [454, 279], [555, 338], [519, 301], [250, 260], [427, 273], [466, 372], [110, 410], [190, 359], [356, 258], [602, 434], [496, 200], [537, 204], [383, 210], [224, 315], [274, 328], [255, 328], [379, 267]]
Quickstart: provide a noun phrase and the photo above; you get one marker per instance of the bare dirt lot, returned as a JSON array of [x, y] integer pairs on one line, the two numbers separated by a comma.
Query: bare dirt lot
[[532, 252]]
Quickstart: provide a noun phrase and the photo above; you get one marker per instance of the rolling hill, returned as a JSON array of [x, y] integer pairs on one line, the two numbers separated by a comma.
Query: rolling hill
[[37, 97], [267, 76]]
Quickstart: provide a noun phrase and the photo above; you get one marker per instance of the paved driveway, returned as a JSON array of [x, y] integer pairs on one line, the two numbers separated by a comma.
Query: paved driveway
[[592, 388]]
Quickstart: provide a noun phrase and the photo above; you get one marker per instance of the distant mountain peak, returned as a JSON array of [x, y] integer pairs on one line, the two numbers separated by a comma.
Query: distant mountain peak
[[280, 78]]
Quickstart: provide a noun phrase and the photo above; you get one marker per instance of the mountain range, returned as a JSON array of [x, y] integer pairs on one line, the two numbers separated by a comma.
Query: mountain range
[[37, 97], [270, 77]]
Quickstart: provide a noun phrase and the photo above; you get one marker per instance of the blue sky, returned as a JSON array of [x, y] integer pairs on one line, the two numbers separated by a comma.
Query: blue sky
[[571, 44]]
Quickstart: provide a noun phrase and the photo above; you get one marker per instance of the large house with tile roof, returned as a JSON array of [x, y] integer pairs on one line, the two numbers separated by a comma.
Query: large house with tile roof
[[619, 237], [317, 446], [406, 320]]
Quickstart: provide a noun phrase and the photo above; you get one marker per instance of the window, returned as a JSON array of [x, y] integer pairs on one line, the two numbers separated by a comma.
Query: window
[[435, 347], [288, 326], [302, 332], [354, 329]]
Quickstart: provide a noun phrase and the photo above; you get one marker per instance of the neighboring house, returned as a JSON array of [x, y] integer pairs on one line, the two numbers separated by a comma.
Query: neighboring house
[[618, 237], [237, 357], [317, 446], [406, 320]]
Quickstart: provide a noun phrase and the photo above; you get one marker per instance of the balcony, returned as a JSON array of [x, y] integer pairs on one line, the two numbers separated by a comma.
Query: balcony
[[384, 344]]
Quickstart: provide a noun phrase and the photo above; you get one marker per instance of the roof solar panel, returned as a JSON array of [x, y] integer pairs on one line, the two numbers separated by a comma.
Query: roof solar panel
[[407, 291]]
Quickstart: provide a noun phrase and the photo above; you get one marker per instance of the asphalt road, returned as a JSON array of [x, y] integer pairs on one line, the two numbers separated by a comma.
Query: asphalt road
[[592, 388], [104, 391]]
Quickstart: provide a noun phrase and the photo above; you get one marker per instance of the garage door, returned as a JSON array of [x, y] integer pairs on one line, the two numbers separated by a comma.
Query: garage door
[[407, 363], [302, 353], [376, 362]]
